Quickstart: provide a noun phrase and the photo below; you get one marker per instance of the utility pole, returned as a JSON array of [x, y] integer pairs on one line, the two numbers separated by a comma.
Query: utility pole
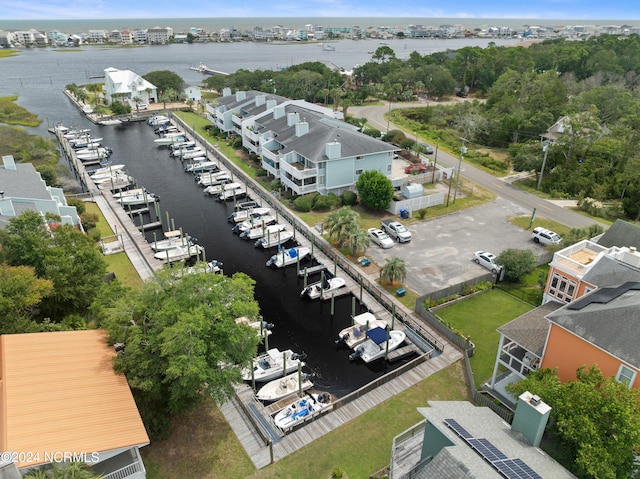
[[388, 117], [545, 148], [435, 162], [463, 150]]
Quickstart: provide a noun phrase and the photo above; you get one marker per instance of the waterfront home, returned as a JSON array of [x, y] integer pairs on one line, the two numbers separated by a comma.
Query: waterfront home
[[123, 85]]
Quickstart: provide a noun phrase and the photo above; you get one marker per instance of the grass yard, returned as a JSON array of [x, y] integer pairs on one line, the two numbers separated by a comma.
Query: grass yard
[[478, 317], [203, 446]]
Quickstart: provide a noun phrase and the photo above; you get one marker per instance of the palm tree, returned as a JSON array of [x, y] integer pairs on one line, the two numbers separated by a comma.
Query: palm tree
[[394, 270], [341, 224], [358, 242]]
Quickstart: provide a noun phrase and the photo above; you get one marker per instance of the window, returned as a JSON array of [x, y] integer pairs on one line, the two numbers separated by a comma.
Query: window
[[388, 167], [360, 157], [562, 288], [626, 375], [321, 180], [359, 172]]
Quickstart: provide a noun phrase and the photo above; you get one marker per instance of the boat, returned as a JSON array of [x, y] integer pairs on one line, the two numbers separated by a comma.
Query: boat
[[194, 154], [274, 239], [301, 410], [323, 288], [214, 190], [87, 109], [165, 129], [297, 382], [212, 266], [243, 215], [272, 364], [169, 140], [179, 253], [157, 120], [119, 183], [182, 152], [259, 222], [221, 178], [375, 346], [230, 194], [182, 144], [329, 48], [173, 239], [202, 166], [356, 333], [113, 121], [287, 257], [139, 199], [262, 227], [113, 176], [106, 169], [135, 191], [262, 327]]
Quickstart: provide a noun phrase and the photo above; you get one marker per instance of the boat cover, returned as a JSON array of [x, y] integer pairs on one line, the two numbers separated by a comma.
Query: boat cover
[[293, 253], [377, 335]]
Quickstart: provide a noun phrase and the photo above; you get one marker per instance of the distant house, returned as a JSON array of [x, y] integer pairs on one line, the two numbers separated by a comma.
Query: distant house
[[193, 93], [125, 85], [61, 400], [458, 440], [22, 188]]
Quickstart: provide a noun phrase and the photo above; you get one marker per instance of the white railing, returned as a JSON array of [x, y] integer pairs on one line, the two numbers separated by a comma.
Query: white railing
[[124, 472], [269, 154], [296, 173]]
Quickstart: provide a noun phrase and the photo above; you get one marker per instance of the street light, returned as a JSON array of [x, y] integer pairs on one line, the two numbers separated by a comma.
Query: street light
[[463, 150], [545, 148]]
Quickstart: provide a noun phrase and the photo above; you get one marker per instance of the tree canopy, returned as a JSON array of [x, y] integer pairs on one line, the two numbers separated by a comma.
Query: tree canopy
[[375, 190], [164, 80], [180, 340], [594, 419]]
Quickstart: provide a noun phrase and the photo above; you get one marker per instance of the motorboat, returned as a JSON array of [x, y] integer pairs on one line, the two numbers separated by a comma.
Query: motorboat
[[243, 215], [323, 289], [138, 200], [301, 410], [157, 120], [212, 266], [173, 239], [179, 253], [272, 364], [164, 129], [135, 191], [274, 239], [120, 183], [230, 194], [181, 144], [379, 341], [297, 382], [194, 154], [214, 190], [74, 133], [357, 332], [263, 328], [106, 178], [181, 152], [222, 178], [93, 153], [106, 169], [261, 229], [202, 166], [169, 139], [287, 257], [251, 223], [84, 141]]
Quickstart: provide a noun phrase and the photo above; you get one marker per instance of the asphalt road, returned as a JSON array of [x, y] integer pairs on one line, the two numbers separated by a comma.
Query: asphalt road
[[440, 253]]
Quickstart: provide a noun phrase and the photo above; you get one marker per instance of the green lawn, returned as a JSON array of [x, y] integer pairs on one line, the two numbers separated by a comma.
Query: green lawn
[[203, 446], [478, 317]]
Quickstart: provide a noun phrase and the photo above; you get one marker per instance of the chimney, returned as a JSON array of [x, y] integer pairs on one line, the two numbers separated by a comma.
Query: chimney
[[531, 417], [333, 150], [260, 100], [302, 128], [226, 91], [271, 104], [241, 95]]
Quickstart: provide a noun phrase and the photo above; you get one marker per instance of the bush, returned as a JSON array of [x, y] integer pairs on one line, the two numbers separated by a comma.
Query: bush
[[422, 213], [94, 234], [261, 172], [89, 220], [322, 203], [517, 263], [78, 203], [593, 207], [303, 203], [349, 198]]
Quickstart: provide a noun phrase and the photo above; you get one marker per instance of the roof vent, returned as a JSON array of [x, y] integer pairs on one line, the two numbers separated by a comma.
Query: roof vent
[[633, 249]]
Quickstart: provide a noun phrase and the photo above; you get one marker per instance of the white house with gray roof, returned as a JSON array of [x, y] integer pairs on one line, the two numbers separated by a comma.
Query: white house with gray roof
[[124, 85], [304, 145], [22, 188]]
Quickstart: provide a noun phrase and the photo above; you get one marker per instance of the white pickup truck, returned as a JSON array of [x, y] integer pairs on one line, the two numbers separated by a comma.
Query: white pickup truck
[[396, 230]]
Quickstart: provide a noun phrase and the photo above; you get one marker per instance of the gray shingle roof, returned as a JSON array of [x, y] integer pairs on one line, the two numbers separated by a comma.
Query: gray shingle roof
[[608, 271], [609, 318], [530, 330], [23, 182], [621, 234]]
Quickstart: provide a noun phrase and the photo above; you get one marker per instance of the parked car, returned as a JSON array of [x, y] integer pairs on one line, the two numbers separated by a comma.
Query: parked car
[[396, 230], [461, 94], [488, 260], [544, 236], [428, 149], [142, 106], [380, 238], [415, 169]]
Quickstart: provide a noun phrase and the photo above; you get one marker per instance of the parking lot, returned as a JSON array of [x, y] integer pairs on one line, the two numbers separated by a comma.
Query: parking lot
[[440, 253]]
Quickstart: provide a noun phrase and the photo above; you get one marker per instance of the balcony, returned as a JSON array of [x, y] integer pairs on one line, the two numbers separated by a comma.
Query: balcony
[[298, 189], [126, 465], [270, 155], [519, 360], [298, 170]]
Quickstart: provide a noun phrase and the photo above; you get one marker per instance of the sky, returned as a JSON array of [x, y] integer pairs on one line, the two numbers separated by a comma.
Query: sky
[[107, 9]]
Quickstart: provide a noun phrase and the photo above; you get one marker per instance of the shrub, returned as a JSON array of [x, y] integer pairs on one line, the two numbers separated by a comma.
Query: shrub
[[593, 207], [303, 203], [261, 172], [94, 234], [322, 203], [78, 203], [422, 213], [349, 198], [89, 220]]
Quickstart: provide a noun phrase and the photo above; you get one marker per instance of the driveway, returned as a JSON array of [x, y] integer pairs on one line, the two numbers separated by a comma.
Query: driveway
[[439, 255]]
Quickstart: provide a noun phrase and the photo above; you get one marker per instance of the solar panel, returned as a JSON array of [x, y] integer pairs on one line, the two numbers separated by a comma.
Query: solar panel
[[487, 450], [459, 430], [515, 469]]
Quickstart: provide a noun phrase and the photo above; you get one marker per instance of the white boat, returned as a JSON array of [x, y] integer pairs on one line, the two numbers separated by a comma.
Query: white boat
[[165, 129], [75, 133], [202, 166], [179, 253], [181, 144], [287, 257], [180, 152], [272, 364], [230, 194], [375, 346], [137, 200], [169, 140], [323, 289], [301, 410], [220, 178], [212, 266], [264, 226], [114, 176], [87, 109], [136, 191], [274, 239], [251, 223], [243, 215], [83, 141], [196, 152], [106, 169], [262, 327], [355, 334], [119, 183], [214, 190], [279, 388], [90, 152], [173, 239], [157, 120], [110, 122]]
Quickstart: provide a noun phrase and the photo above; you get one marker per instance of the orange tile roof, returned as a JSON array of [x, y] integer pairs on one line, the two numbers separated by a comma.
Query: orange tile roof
[[59, 393]]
